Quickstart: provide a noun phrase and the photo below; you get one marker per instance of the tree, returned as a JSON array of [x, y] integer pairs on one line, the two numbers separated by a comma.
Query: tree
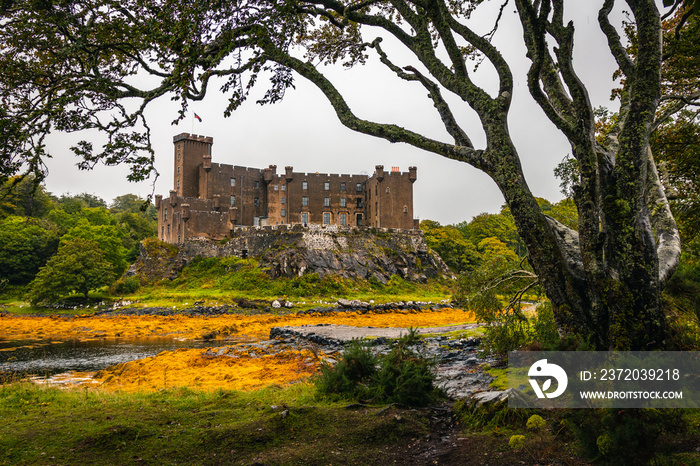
[[487, 225], [25, 246], [108, 239], [25, 197], [70, 66], [131, 203], [78, 266], [458, 253]]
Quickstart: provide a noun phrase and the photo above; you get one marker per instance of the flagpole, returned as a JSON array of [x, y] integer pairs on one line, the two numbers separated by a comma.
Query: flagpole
[[192, 131]]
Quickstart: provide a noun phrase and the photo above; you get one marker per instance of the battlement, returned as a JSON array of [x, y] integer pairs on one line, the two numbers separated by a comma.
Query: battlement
[[193, 137]]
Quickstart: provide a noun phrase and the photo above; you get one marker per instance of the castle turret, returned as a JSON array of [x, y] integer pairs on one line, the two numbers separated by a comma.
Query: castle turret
[[379, 169], [190, 152], [269, 173]]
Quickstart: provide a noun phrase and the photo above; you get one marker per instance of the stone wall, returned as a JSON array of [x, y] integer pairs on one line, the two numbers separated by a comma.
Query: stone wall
[[294, 251]]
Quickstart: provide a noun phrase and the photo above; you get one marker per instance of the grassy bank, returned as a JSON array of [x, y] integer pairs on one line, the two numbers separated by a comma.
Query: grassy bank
[[49, 426], [219, 281], [272, 426]]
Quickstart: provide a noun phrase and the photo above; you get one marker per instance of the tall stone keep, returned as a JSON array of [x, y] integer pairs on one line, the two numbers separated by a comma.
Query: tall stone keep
[[191, 153]]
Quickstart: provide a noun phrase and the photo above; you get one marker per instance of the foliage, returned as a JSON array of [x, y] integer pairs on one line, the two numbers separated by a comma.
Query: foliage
[[516, 441], [535, 422], [458, 253], [24, 196], [627, 436], [126, 285], [131, 203], [78, 266], [351, 376], [401, 376], [498, 226], [25, 246], [108, 239], [508, 326]]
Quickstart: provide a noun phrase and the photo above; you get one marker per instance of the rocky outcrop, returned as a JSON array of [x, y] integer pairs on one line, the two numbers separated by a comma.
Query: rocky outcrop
[[350, 253]]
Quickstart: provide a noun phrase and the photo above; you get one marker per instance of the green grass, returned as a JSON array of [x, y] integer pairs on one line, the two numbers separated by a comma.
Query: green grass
[[275, 425], [218, 281]]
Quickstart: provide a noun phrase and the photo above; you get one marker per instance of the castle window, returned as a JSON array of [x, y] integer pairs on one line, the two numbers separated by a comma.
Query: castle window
[[178, 239], [326, 186], [178, 184], [283, 187], [233, 201], [162, 232], [405, 209], [168, 229], [342, 186], [326, 202], [283, 212], [277, 187], [326, 218], [256, 201], [282, 200], [178, 169], [304, 201], [165, 215], [359, 202], [233, 182], [343, 219], [342, 202], [305, 218], [358, 219], [256, 185], [304, 185], [387, 190], [358, 187]]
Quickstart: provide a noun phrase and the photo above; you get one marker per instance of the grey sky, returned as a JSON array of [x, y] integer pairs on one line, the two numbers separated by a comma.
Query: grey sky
[[302, 131]]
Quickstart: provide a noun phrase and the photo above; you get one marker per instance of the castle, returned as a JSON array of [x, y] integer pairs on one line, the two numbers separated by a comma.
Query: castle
[[211, 199]]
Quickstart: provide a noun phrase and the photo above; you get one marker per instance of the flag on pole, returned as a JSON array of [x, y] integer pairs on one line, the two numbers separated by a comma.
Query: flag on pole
[[198, 117]]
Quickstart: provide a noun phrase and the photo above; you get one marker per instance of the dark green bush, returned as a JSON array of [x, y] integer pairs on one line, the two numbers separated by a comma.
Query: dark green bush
[[127, 285], [352, 375], [402, 376], [623, 436]]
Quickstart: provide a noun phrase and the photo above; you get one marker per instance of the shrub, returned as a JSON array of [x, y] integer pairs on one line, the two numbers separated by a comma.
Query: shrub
[[126, 285], [405, 377], [623, 436], [352, 375], [516, 441], [535, 422], [402, 376]]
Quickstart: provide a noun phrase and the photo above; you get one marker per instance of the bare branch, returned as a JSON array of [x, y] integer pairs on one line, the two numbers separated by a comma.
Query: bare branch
[[389, 132], [618, 51]]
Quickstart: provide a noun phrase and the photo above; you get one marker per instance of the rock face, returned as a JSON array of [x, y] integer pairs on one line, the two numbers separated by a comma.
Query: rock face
[[288, 252]]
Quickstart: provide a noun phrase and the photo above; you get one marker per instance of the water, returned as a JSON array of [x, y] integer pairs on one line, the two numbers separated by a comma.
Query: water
[[52, 357]]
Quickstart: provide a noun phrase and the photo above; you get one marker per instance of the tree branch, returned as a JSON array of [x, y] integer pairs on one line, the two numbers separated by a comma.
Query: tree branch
[[618, 51], [389, 132], [668, 238]]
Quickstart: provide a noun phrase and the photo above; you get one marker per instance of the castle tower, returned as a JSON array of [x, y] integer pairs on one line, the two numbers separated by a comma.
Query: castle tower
[[191, 151]]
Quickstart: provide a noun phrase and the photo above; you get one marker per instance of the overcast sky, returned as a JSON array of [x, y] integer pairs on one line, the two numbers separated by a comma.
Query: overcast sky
[[302, 130]]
